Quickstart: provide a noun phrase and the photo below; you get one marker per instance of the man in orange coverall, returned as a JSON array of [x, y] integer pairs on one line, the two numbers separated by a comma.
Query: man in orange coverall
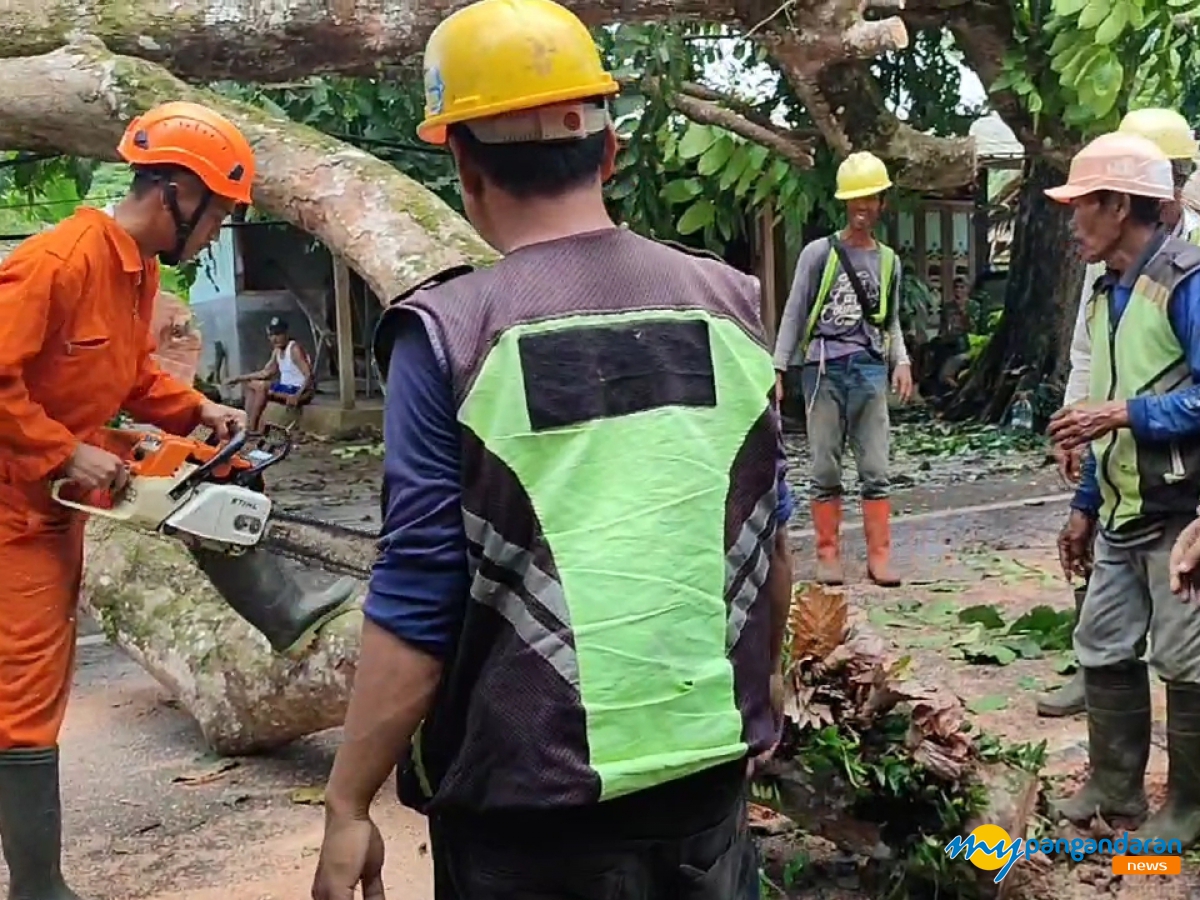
[[76, 304]]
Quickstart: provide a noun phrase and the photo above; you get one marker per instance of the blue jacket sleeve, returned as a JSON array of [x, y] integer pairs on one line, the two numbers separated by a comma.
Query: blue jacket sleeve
[[1087, 494], [419, 585], [1168, 417]]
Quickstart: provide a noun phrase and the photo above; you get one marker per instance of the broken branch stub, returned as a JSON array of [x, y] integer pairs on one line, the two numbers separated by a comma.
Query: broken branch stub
[[156, 605], [389, 228]]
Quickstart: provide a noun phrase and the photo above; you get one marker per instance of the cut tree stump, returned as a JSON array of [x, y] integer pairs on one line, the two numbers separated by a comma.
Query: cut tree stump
[[157, 606], [1012, 797]]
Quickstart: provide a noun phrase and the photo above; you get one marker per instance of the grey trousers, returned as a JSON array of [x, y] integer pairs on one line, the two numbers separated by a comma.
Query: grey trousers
[[1129, 599], [848, 402]]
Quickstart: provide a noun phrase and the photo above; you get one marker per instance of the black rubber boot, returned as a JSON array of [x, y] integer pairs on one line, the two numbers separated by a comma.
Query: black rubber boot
[[263, 592], [1179, 818], [31, 824], [1118, 709], [1069, 699]]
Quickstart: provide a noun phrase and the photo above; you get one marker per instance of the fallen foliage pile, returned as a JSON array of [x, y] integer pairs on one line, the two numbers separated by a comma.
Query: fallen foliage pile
[[880, 764]]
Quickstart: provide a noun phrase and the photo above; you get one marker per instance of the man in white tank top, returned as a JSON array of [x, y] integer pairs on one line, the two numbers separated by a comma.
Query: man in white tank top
[[285, 378]]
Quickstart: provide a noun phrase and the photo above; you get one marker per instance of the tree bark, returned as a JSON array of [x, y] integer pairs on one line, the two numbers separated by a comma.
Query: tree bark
[[1040, 300], [389, 228], [159, 608]]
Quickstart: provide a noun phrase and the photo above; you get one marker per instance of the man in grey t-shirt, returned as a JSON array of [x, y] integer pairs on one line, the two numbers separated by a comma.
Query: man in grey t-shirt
[[846, 336]]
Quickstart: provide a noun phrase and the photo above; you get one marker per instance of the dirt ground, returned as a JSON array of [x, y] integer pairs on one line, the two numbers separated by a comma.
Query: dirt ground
[[150, 815]]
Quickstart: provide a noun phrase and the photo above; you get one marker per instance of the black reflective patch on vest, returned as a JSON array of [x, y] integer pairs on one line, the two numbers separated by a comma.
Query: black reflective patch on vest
[[578, 375]]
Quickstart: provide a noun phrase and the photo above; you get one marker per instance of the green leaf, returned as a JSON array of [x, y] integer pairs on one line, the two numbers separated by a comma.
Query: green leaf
[[1068, 7], [696, 140], [698, 216], [1066, 664], [715, 157], [881, 618], [1093, 14], [939, 613], [989, 703], [621, 189], [735, 167], [1024, 647], [1112, 27], [986, 615], [682, 190], [996, 654]]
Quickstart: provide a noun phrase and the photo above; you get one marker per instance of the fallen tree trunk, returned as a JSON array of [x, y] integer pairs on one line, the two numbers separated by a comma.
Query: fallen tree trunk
[[389, 228], [159, 608], [823, 47], [207, 40]]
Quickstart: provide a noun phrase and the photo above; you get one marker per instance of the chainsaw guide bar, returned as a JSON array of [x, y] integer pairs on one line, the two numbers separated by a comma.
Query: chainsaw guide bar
[[314, 544]]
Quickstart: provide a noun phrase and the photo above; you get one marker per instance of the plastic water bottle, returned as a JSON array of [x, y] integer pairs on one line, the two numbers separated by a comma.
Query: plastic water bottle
[[1020, 417]]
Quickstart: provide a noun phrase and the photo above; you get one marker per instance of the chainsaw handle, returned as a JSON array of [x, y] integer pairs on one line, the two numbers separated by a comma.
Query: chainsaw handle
[[247, 478], [231, 449], [113, 513]]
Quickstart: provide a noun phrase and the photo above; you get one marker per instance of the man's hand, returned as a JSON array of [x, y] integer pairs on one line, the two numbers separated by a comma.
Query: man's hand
[[1185, 559], [902, 382], [1075, 426], [351, 854], [223, 420], [1070, 464], [779, 391], [95, 469], [1075, 545]]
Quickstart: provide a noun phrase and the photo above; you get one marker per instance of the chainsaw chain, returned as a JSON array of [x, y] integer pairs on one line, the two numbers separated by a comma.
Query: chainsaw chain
[[281, 540]]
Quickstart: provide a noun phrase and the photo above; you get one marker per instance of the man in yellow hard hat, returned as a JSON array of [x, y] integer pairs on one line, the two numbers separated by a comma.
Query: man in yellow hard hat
[[842, 325], [1142, 422], [584, 578], [1171, 133]]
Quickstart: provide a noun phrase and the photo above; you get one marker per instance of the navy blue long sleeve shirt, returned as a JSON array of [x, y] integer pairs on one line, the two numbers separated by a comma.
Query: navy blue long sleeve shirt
[[1156, 418], [419, 586]]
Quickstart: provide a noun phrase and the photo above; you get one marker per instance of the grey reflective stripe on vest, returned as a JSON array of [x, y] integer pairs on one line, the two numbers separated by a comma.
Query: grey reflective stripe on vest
[[542, 589], [750, 544]]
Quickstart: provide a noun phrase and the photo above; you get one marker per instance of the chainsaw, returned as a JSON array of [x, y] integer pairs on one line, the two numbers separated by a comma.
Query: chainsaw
[[213, 496]]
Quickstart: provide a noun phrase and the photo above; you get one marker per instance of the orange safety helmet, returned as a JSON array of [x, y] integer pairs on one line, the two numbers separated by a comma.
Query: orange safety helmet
[[195, 138]]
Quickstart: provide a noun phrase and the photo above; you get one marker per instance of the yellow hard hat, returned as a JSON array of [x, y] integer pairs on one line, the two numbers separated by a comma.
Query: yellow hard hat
[[861, 175], [503, 56], [1167, 128]]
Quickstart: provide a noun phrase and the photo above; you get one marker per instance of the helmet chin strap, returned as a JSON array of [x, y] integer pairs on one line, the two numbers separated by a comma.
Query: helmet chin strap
[[183, 227]]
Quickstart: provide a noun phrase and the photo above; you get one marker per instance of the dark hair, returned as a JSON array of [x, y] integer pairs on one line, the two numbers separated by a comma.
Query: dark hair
[[534, 168], [1142, 210], [146, 178]]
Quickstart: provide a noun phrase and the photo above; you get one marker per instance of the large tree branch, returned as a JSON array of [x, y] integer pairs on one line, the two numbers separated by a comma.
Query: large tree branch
[[709, 107], [251, 40], [390, 229]]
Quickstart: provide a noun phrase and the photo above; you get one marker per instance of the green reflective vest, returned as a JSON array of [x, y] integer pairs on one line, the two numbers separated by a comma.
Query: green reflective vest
[[887, 273], [1141, 355], [619, 493]]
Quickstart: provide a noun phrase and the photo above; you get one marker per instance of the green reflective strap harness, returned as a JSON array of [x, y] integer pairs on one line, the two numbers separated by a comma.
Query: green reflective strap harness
[[887, 273]]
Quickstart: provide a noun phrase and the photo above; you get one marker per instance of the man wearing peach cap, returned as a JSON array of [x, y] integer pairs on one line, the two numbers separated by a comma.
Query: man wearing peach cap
[[1140, 430]]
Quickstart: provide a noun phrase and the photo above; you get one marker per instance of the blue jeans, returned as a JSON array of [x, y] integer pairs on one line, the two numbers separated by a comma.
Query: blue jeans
[[848, 401]]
